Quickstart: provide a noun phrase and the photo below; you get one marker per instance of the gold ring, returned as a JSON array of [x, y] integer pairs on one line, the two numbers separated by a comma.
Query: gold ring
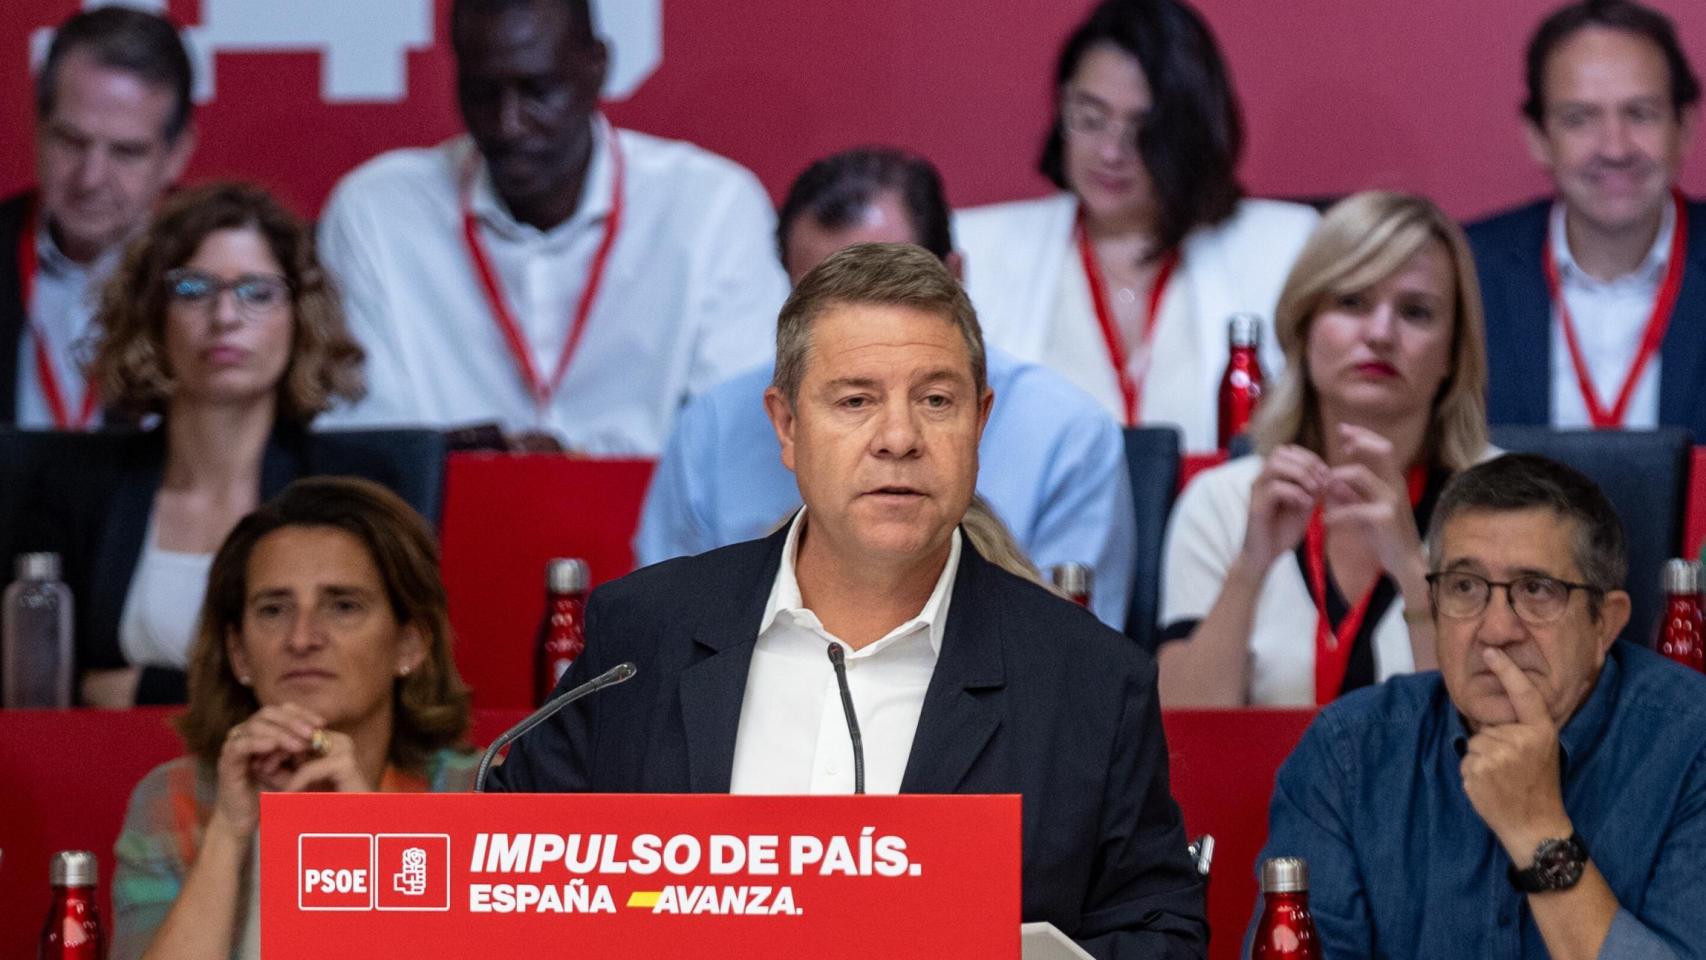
[[317, 742]]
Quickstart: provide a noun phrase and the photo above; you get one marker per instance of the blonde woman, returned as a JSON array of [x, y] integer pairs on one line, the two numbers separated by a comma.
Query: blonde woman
[[1297, 574]]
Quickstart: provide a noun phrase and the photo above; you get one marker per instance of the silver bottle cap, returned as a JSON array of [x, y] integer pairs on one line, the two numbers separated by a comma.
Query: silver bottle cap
[[1285, 875], [1073, 579], [38, 566], [73, 868], [567, 575], [1244, 330], [1682, 576]]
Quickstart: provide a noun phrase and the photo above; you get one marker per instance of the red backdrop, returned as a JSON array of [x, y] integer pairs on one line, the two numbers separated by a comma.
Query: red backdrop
[[1338, 94]]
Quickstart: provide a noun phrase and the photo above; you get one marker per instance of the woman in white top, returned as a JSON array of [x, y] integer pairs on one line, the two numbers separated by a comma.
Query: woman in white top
[[1297, 574], [1125, 281]]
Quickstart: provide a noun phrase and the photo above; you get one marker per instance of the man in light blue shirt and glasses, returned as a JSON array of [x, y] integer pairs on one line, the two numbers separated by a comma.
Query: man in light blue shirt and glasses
[[1053, 462], [1544, 793]]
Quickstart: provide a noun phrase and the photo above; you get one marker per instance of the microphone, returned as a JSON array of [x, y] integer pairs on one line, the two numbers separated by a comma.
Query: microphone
[[838, 657], [609, 678]]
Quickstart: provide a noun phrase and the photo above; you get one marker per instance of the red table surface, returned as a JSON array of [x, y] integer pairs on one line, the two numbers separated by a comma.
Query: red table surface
[[68, 775]]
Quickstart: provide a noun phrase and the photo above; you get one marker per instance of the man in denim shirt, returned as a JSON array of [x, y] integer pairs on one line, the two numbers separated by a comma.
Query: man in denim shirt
[[1544, 794]]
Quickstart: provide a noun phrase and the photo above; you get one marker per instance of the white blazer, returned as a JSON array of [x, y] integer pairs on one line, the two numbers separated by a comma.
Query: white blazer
[[1014, 257]]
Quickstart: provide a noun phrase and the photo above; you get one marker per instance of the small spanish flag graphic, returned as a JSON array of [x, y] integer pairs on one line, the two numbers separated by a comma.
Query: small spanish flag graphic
[[644, 899]]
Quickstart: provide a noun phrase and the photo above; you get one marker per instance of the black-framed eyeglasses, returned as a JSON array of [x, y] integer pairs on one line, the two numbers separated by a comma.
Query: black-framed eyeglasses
[[257, 293], [1536, 599]]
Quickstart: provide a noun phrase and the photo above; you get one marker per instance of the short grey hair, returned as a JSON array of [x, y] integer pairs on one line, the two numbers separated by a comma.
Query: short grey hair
[[1528, 481], [889, 274]]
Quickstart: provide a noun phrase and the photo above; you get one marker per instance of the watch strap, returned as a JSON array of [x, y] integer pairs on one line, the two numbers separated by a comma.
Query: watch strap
[[1558, 865]]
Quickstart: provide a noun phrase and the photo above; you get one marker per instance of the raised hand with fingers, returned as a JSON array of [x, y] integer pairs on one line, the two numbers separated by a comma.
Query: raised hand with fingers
[[1368, 496], [1292, 482], [1511, 771]]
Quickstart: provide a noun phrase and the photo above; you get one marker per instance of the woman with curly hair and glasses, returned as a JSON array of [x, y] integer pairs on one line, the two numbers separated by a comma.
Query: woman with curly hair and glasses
[[220, 334], [322, 661]]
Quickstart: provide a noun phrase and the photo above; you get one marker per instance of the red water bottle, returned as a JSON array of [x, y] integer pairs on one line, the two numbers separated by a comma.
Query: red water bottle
[[1241, 385], [73, 928], [1286, 931], [1073, 580], [562, 630], [1682, 636]]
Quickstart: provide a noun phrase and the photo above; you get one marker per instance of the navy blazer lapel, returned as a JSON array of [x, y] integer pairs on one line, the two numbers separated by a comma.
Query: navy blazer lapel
[[962, 709], [713, 686], [12, 307], [284, 459], [124, 528], [1521, 392], [1682, 372]]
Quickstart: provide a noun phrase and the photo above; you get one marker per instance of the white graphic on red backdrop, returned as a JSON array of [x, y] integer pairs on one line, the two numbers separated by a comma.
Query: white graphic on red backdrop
[[364, 46]]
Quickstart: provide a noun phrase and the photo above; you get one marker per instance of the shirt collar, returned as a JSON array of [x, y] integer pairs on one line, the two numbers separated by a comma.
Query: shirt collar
[[595, 199], [1650, 268], [785, 592], [1581, 732], [53, 261]]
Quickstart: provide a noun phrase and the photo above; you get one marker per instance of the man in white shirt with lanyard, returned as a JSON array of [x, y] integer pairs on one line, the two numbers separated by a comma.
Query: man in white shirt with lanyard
[[568, 280], [113, 132], [1596, 300]]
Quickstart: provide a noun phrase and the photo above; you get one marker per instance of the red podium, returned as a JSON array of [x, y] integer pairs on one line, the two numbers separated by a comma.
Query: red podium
[[478, 876]]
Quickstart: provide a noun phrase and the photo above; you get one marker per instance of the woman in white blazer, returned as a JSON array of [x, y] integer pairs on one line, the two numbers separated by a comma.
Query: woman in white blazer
[[1144, 142]]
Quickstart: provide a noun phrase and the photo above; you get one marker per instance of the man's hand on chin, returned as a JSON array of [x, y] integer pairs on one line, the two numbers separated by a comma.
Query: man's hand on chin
[[1510, 770]]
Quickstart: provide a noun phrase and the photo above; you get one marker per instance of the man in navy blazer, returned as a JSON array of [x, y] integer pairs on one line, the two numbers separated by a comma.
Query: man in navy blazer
[[113, 132], [964, 678], [1575, 286]]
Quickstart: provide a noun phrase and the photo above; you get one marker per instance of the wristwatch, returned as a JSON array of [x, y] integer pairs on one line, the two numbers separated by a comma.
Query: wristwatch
[[1558, 865]]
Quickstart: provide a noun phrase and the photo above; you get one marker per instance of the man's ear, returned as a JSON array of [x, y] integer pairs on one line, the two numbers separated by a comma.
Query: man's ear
[[1688, 118], [1539, 148], [955, 261], [782, 420], [178, 154], [595, 66], [1613, 617]]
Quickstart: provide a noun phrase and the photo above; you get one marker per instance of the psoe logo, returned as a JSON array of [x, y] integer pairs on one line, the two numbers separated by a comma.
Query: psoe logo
[[364, 46], [413, 871], [334, 871]]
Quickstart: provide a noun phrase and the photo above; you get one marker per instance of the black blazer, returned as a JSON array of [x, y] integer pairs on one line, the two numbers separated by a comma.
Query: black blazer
[[1508, 248], [88, 497], [12, 310], [1031, 695]]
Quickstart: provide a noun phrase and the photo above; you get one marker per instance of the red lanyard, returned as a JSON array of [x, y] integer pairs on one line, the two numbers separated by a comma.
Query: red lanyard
[[1333, 648], [1663, 305], [543, 390], [50, 390], [1131, 391]]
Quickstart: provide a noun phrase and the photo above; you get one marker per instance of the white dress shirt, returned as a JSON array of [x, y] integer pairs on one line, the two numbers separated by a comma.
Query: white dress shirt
[[61, 308], [793, 736], [689, 294], [1610, 319]]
